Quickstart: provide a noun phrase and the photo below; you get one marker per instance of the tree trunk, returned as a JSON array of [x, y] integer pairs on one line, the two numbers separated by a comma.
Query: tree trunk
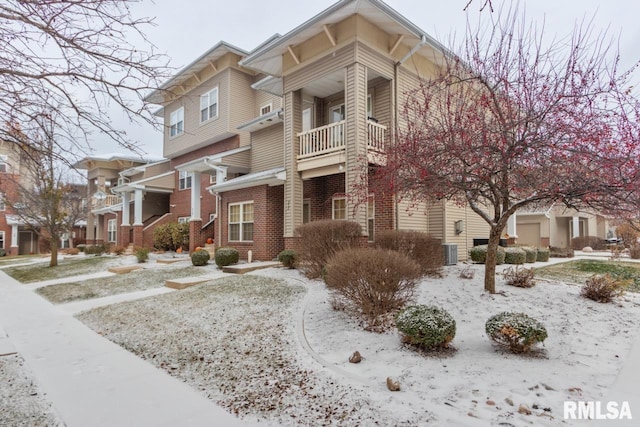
[[492, 258], [54, 252]]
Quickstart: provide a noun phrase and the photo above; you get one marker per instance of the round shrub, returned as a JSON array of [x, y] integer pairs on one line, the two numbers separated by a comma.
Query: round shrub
[[531, 254], [514, 255], [200, 258], [543, 255], [426, 326], [288, 258], [604, 288], [142, 254], [226, 256], [371, 284], [478, 254], [421, 247], [515, 330]]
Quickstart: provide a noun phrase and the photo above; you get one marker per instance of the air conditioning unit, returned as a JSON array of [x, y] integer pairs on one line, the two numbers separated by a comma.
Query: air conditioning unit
[[450, 253]]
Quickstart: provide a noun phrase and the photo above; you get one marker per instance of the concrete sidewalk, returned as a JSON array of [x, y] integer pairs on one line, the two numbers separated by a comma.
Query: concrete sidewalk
[[89, 380]]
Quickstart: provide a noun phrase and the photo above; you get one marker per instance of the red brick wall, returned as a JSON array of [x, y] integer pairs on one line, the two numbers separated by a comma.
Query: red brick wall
[[320, 192]]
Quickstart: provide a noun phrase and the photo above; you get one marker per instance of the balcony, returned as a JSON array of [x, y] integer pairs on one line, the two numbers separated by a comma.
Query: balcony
[[109, 200], [323, 149]]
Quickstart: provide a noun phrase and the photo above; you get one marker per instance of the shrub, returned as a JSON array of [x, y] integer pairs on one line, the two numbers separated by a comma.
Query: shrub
[[81, 247], [596, 243], [171, 236], [200, 258], [634, 251], [604, 288], [118, 250], [226, 256], [629, 233], [3, 253], [515, 330], [142, 254], [73, 251], [519, 277], [561, 252], [478, 254], [288, 258], [543, 255], [428, 327], [531, 254], [94, 250], [372, 283], [514, 255], [420, 247], [318, 240], [467, 273]]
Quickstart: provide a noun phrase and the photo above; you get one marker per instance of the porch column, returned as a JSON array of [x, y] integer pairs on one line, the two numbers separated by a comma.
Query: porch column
[[293, 184], [511, 226], [356, 142], [99, 229], [138, 226], [14, 240], [125, 227], [576, 227], [195, 222]]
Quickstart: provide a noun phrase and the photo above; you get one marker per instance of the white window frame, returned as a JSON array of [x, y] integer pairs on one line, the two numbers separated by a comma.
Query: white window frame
[[183, 219], [213, 179], [341, 110], [266, 109], [333, 207], [3, 206], [307, 119], [2, 241], [112, 231], [369, 106], [184, 180], [241, 222], [176, 123], [207, 101], [371, 217]]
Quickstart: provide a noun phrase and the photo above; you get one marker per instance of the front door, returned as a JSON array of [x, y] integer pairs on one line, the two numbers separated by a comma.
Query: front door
[[25, 243]]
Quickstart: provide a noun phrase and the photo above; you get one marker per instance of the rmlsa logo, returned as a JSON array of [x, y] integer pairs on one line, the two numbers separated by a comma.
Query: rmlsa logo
[[596, 410]]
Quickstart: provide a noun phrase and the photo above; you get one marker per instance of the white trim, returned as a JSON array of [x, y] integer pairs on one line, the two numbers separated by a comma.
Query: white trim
[[175, 118], [207, 98], [333, 206], [187, 179], [241, 221], [268, 107], [183, 219], [111, 231]]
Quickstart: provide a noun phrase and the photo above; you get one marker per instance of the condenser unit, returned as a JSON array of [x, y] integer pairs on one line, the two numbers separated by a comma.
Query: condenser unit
[[450, 253]]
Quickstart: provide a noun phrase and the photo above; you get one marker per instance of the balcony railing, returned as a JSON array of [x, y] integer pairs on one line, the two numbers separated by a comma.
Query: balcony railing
[[331, 138], [109, 200]]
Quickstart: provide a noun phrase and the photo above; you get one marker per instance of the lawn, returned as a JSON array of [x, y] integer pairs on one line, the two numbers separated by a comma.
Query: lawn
[[579, 271], [18, 259], [67, 268]]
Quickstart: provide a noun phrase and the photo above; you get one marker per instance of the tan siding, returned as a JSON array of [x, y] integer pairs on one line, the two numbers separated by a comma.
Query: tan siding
[[293, 184], [381, 97], [267, 148], [318, 69], [413, 217], [158, 169], [264, 98], [241, 100], [374, 60], [474, 227], [436, 215]]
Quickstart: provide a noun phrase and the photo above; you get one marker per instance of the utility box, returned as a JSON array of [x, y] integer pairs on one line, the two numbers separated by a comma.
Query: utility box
[[450, 253]]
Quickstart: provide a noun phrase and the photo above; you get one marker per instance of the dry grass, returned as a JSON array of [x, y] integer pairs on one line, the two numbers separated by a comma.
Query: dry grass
[[68, 268]]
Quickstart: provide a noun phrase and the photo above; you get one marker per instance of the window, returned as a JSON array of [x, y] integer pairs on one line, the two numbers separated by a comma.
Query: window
[[306, 119], [2, 205], [336, 114], [176, 122], [265, 109], [111, 231], [209, 105], [183, 219], [306, 211], [213, 179], [1, 239], [241, 222], [369, 106], [339, 208], [184, 181], [371, 217]]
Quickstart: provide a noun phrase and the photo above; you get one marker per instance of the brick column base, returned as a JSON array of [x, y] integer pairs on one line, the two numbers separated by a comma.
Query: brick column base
[[125, 235], [138, 238], [195, 235]]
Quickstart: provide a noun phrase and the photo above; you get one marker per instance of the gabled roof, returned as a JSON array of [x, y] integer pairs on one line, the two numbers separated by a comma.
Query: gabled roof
[[268, 58], [210, 56], [111, 157]]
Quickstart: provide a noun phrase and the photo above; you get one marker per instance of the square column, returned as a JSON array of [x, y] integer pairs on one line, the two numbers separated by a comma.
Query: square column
[[195, 197], [293, 184], [137, 207], [126, 208]]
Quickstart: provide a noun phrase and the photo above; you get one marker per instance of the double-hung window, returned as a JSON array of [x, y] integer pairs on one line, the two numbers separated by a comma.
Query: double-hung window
[[209, 105], [241, 222], [1, 239], [184, 181], [2, 204], [176, 122], [111, 231], [371, 217], [339, 208]]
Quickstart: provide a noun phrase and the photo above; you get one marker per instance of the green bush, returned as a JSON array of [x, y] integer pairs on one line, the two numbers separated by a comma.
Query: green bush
[[226, 256], [371, 284], [514, 255], [142, 254], [519, 277], [81, 247], [531, 254], [200, 258], [3, 253], [288, 258], [478, 254], [317, 241], [94, 250], [425, 326], [517, 331], [171, 236], [420, 247], [543, 255], [604, 288]]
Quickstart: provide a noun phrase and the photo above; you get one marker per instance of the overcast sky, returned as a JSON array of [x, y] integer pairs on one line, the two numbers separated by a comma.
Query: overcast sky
[[188, 28]]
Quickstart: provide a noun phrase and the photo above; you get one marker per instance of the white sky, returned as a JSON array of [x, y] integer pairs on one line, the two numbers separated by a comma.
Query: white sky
[[188, 28]]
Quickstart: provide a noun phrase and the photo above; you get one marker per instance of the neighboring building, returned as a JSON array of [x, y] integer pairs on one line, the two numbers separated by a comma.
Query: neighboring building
[[258, 143]]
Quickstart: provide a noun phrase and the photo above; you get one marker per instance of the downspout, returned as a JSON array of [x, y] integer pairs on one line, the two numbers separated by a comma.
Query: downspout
[[222, 172]]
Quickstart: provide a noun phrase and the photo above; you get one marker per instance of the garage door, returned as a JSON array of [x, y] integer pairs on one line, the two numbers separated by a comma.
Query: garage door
[[528, 234]]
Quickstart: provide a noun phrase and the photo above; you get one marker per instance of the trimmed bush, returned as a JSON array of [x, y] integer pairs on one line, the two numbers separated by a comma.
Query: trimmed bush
[[81, 247], [288, 258], [531, 254], [428, 327], [543, 255], [142, 254], [517, 331], [634, 251], [478, 254], [561, 252], [73, 251], [519, 277], [596, 243], [200, 258], [3, 253], [171, 236], [96, 250], [371, 284], [514, 255], [318, 240], [604, 288], [226, 256], [118, 250], [420, 247]]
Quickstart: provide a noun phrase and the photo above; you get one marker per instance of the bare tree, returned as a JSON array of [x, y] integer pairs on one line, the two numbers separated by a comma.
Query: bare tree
[[79, 58], [513, 122]]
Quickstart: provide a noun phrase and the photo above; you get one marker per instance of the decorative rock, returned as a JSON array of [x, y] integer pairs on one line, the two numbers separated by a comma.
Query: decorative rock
[[524, 410], [355, 357], [587, 249], [392, 384], [491, 403], [509, 401]]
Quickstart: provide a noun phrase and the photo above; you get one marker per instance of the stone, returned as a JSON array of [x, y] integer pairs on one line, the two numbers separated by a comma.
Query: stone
[[355, 357], [491, 403], [523, 409], [392, 384], [587, 249]]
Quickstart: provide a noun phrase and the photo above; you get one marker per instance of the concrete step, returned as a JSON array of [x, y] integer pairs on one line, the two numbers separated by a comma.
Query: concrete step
[[247, 267], [185, 282], [124, 269]]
